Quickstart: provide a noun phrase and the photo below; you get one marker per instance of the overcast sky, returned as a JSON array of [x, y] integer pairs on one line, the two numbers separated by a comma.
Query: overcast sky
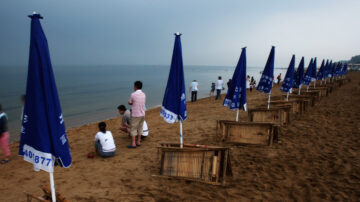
[[94, 32]]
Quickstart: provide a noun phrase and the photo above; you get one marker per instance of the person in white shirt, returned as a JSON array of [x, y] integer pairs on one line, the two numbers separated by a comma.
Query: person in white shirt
[[219, 87], [194, 90], [104, 142], [248, 82]]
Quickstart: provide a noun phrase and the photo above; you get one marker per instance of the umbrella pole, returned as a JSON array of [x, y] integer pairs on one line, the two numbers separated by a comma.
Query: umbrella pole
[[53, 196], [307, 89], [287, 96], [299, 90], [237, 115], [181, 136], [268, 104]]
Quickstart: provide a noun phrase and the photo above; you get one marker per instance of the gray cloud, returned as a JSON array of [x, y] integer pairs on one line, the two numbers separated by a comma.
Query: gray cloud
[[141, 32]]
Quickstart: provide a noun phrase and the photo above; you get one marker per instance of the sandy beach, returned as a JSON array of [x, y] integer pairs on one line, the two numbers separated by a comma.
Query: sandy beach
[[317, 158]]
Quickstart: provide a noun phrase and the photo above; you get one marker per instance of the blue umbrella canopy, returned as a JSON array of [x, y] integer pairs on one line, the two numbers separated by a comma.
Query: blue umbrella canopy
[[320, 74], [267, 77], [326, 69], [289, 77], [329, 69], [43, 139], [308, 73], [344, 69], [299, 74], [236, 94], [174, 102], [338, 69], [333, 69], [313, 74]]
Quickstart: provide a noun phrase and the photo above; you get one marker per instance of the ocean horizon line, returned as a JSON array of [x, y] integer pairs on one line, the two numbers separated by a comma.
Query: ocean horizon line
[[127, 65]]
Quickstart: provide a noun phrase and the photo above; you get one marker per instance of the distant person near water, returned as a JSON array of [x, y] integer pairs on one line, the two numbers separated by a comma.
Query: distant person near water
[[279, 79], [248, 82], [104, 142], [137, 100], [252, 83], [219, 87], [228, 83], [194, 89], [212, 89]]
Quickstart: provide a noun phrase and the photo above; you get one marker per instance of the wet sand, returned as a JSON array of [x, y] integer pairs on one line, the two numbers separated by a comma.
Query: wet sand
[[317, 158]]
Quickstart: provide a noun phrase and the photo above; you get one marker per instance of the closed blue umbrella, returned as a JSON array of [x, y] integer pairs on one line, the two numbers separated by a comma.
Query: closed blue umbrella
[[330, 69], [267, 77], [333, 70], [236, 94], [174, 102], [326, 70], [299, 75], [320, 74], [289, 78], [43, 139], [344, 70], [338, 69], [308, 73], [313, 75]]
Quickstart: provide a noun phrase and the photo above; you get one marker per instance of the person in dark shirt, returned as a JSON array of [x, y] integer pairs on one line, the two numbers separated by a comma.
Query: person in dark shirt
[[4, 136]]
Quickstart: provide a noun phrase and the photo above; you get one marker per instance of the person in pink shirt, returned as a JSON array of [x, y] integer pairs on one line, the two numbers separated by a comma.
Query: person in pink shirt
[[137, 100]]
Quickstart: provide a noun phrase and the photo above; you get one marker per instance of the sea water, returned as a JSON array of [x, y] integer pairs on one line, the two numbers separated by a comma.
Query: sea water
[[92, 93]]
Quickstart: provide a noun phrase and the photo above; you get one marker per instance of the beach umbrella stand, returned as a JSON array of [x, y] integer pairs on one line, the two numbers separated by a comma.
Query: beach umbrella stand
[[267, 77], [309, 74], [299, 76], [236, 95], [173, 108], [246, 132], [43, 139], [289, 78], [268, 102]]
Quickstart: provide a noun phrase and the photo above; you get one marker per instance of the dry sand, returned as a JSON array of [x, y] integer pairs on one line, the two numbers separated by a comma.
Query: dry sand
[[317, 159]]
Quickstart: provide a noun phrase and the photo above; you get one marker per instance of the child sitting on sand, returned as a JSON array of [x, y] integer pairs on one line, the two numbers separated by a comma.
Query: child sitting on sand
[[104, 142]]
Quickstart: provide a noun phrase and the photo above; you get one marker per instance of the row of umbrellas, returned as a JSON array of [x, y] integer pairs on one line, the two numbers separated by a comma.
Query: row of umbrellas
[[326, 70], [43, 139]]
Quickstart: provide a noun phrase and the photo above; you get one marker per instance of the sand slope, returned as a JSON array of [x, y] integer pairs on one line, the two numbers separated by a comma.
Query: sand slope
[[317, 159]]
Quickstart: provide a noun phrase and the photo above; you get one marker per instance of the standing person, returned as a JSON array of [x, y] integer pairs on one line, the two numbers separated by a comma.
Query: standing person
[[4, 136], [247, 82], [279, 79], [212, 89], [104, 142], [252, 83], [194, 90], [219, 87], [228, 83], [137, 100], [126, 117]]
